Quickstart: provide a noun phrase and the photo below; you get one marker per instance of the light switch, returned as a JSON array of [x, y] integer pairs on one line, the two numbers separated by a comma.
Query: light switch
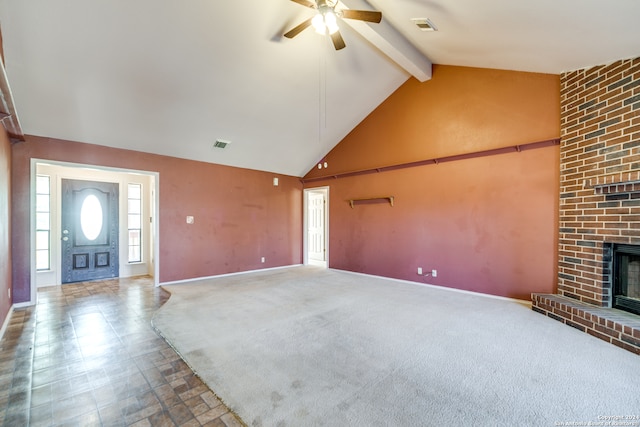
[[189, 219]]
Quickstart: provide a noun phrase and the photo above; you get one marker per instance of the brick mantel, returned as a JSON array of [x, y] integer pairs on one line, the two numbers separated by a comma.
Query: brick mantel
[[619, 183]]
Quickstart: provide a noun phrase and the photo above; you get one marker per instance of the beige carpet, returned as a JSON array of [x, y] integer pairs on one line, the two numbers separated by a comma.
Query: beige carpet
[[304, 346]]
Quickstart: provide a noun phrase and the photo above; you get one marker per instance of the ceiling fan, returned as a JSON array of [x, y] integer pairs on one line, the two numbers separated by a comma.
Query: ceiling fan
[[325, 21]]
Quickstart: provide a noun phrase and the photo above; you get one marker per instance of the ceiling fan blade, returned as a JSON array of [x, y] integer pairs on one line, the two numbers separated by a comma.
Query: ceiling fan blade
[[338, 41], [297, 29], [306, 3], [362, 15]]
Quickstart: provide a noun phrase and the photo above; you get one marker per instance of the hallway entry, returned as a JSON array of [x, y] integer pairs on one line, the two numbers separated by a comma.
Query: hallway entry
[[317, 226]]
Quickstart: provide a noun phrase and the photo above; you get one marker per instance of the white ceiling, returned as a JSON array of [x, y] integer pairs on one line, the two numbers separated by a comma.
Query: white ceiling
[[171, 77]]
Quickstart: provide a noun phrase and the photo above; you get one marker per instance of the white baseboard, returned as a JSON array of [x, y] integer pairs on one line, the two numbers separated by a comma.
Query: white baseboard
[[6, 322], [178, 282], [443, 288], [24, 304]]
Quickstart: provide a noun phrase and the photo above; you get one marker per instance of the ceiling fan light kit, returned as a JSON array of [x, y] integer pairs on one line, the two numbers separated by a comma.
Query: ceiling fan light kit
[[325, 23], [326, 19]]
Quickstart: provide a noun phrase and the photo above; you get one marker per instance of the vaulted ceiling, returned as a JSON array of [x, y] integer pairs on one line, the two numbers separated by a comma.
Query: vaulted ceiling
[[171, 77]]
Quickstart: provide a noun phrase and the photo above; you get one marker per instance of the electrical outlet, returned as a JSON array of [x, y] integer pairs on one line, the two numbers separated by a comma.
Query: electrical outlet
[[262, 259], [420, 271], [189, 219], [434, 273]]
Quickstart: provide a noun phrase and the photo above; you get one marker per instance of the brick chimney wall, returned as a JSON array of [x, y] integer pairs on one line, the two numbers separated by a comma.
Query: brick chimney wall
[[599, 175]]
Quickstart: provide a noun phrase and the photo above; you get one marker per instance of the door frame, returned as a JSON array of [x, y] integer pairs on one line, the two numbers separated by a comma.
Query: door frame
[[155, 228], [305, 235]]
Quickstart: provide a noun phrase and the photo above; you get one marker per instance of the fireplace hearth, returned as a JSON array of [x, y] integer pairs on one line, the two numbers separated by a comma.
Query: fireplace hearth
[[626, 277]]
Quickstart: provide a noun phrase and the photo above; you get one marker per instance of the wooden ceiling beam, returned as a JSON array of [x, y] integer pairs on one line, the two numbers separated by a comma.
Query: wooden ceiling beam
[[390, 42]]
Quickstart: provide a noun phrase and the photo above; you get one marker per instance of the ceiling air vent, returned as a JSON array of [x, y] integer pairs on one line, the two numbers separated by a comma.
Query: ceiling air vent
[[220, 143], [424, 24]]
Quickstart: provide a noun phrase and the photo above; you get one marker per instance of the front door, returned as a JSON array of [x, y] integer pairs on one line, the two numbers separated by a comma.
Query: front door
[[89, 230]]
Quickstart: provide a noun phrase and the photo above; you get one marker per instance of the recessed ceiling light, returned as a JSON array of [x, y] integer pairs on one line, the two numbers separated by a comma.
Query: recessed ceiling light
[[424, 24]]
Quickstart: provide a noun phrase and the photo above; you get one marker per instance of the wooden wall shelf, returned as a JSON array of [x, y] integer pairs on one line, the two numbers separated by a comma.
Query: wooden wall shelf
[[353, 202]]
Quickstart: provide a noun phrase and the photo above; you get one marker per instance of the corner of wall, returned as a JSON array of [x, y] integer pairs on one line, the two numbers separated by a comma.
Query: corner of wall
[[5, 226]]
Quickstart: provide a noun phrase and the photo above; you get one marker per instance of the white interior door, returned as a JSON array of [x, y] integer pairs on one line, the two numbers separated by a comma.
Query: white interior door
[[316, 227]]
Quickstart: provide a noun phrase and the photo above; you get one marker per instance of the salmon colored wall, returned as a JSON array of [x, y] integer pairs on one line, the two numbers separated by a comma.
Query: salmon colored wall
[[239, 215], [460, 110], [487, 224], [5, 221]]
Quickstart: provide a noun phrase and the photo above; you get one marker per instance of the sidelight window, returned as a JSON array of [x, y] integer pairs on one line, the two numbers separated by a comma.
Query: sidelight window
[[43, 222], [135, 222]]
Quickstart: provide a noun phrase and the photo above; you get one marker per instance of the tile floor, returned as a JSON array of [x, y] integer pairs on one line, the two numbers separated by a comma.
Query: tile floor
[[87, 355]]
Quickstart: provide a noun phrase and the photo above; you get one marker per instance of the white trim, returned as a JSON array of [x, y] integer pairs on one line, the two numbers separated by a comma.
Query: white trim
[[33, 282], [25, 304], [409, 282], [443, 288], [196, 279], [6, 322]]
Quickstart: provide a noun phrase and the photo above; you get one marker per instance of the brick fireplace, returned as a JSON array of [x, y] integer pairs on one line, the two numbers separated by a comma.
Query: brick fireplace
[[599, 198]]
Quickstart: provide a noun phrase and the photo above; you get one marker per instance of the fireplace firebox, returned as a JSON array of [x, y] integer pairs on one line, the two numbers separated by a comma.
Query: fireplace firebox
[[626, 277]]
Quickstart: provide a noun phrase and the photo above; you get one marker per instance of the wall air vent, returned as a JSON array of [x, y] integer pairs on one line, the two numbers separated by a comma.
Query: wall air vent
[[424, 24], [220, 143]]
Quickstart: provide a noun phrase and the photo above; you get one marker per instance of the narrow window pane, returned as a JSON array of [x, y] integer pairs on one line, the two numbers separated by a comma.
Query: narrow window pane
[[42, 240], [134, 222], [42, 260], [42, 203], [42, 220], [134, 237], [134, 254], [134, 206], [42, 184], [134, 191]]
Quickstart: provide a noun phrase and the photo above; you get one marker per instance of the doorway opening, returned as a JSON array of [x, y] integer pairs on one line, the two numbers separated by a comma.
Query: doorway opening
[[134, 195], [316, 226]]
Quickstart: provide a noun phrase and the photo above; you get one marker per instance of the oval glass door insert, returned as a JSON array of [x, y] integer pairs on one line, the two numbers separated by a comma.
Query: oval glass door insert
[[91, 217]]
